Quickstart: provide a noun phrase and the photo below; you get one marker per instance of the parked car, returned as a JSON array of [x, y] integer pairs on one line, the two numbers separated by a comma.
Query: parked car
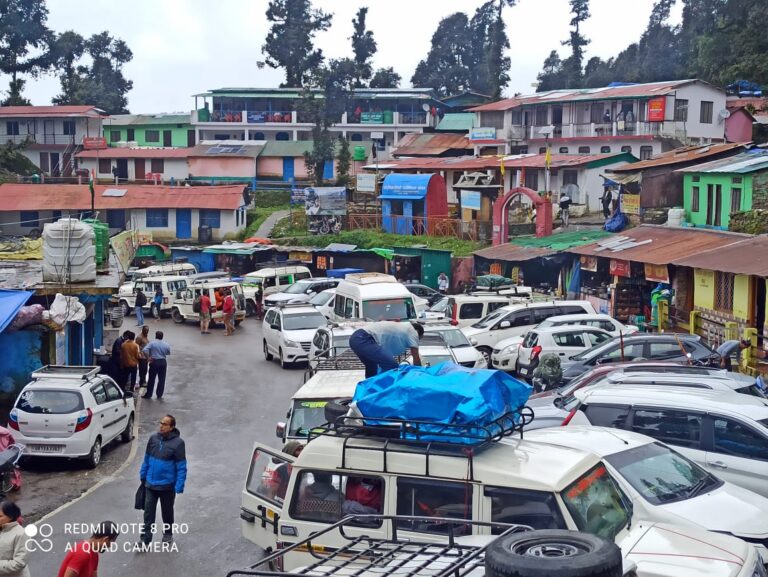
[[464, 309], [724, 432], [323, 302], [301, 291], [563, 341], [332, 340], [71, 412], [268, 280], [599, 320], [427, 293], [681, 348], [288, 330], [183, 308], [433, 350], [465, 354], [167, 269], [375, 297], [170, 285]]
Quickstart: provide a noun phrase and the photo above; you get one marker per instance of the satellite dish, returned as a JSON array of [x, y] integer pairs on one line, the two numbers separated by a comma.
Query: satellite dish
[[425, 107], [724, 113]]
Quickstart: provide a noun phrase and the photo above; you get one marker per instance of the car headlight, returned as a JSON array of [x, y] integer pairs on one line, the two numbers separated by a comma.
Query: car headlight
[[508, 350], [292, 344]]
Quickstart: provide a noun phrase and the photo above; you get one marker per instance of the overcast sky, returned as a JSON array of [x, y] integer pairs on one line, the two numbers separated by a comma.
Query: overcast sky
[[184, 47]]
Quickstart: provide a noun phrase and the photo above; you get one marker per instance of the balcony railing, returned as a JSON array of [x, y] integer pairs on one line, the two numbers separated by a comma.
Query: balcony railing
[[421, 226], [603, 129], [63, 139], [419, 118]]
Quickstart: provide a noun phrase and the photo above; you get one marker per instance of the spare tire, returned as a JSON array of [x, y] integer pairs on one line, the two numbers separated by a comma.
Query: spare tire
[[553, 552], [335, 409]]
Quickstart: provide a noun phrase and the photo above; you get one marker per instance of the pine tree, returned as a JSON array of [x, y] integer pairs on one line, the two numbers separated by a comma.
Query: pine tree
[[344, 162], [385, 78], [573, 66], [448, 66], [364, 47]]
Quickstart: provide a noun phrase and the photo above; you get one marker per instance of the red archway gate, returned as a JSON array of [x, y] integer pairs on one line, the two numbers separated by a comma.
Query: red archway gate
[[501, 218]]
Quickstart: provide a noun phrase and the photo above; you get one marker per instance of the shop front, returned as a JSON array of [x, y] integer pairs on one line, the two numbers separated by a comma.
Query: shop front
[[413, 204]]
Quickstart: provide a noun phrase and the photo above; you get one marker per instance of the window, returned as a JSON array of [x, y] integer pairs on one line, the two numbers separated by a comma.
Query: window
[[131, 135], [597, 338], [517, 116], [696, 178], [349, 309], [30, 218], [51, 402], [210, 217], [596, 505], [541, 116], [12, 128], [301, 276], [569, 339], [69, 127], [56, 214], [542, 150], [433, 498], [541, 313], [626, 149], [113, 393], [570, 177], [493, 306], [157, 217], [325, 497], [536, 509], [668, 426], [584, 150], [681, 110], [99, 394], [607, 416], [471, 311], [158, 165], [735, 200], [338, 306], [114, 135], [724, 291], [152, 135], [739, 440], [562, 150], [605, 149], [492, 119], [105, 166], [705, 113], [116, 218], [532, 179], [737, 180], [646, 152], [661, 351], [631, 352], [605, 325], [569, 310], [520, 319], [268, 476], [695, 191]]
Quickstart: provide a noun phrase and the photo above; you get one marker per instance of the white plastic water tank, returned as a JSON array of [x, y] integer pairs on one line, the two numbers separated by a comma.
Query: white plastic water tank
[[69, 252], [675, 217]]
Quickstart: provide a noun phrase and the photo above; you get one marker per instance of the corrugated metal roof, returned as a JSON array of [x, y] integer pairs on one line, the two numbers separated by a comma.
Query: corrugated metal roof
[[136, 153], [80, 110], [287, 147], [683, 155], [738, 258], [743, 163], [14, 197], [431, 144], [483, 162], [226, 148], [457, 121], [668, 245], [151, 119], [513, 252]]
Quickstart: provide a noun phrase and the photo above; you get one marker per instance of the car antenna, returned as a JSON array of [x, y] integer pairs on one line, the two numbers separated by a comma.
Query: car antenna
[[610, 431]]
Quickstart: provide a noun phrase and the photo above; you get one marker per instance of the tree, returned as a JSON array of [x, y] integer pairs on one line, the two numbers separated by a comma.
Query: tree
[[385, 78], [447, 68], [551, 76], [573, 66], [344, 162], [497, 64], [67, 50], [24, 40], [288, 44], [364, 47]]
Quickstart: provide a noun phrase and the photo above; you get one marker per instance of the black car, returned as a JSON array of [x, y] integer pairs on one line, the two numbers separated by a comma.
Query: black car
[[670, 347], [424, 292]]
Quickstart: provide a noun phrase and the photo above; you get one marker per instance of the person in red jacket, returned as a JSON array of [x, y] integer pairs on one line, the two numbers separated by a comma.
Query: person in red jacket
[[228, 308], [83, 559]]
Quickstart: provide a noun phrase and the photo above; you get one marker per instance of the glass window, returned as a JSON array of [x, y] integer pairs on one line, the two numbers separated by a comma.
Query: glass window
[[284, 280], [724, 283], [705, 114], [569, 310], [606, 326], [607, 416], [12, 127], [536, 509], [338, 306], [605, 149], [646, 152], [30, 218], [493, 306], [152, 135], [681, 110], [268, 476], [631, 352], [306, 415], [69, 127], [105, 166], [597, 338], [584, 150], [626, 149], [113, 393], [520, 318], [389, 309], [575, 339], [660, 475], [349, 309], [669, 426], [131, 136], [471, 311], [562, 150], [157, 217], [735, 199], [433, 498], [303, 321], [40, 401], [665, 351], [114, 136], [210, 217], [116, 218], [570, 177], [737, 439], [532, 179], [695, 198], [596, 505], [325, 497], [301, 275], [99, 394], [540, 313], [157, 165]]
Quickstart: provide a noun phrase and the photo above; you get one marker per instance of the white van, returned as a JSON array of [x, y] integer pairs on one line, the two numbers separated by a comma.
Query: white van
[[464, 309], [171, 286], [174, 268], [270, 280], [375, 297], [183, 308]]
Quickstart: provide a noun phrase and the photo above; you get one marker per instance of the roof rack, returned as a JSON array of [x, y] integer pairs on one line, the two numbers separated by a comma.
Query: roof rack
[[346, 360], [423, 438], [288, 305], [406, 557], [78, 372]]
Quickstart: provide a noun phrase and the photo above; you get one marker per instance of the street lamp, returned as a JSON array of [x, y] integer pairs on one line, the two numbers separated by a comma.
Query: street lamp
[[546, 132]]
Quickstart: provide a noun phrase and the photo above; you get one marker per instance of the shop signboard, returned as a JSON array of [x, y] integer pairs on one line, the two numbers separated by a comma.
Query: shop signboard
[[366, 183], [657, 272], [300, 256], [588, 263], [257, 117], [482, 133], [619, 267], [657, 108], [372, 118], [470, 199], [298, 195], [124, 246], [630, 203], [325, 201]]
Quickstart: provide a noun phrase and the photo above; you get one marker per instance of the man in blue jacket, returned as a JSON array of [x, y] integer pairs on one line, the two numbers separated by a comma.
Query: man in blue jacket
[[163, 473]]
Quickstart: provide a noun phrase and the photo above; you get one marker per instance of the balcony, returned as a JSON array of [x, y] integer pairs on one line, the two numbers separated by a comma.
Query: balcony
[[283, 117], [60, 139], [604, 129]]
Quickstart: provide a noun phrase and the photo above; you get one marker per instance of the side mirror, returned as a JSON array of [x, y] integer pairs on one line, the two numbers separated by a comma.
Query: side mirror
[[505, 324], [473, 341], [127, 395], [280, 430]]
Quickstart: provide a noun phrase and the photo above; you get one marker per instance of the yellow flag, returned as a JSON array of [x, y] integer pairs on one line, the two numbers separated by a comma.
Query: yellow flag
[[501, 166], [548, 157]]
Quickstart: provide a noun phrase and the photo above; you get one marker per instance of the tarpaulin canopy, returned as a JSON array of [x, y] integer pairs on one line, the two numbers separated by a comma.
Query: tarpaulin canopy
[[405, 186], [10, 303]]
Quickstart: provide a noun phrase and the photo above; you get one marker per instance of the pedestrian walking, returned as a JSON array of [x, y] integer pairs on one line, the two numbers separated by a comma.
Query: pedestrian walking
[[157, 352], [205, 313], [157, 300], [377, 344], [13, 542], [228, 308], [129, 360], [443, 283], [116, 358], [606, 201], [163, 473], [83, 559], [141, 302], [565, 208], [142, 340]]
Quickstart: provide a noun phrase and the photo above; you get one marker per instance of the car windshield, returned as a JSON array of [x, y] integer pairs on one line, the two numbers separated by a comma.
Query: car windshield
[[389, 309], [432, 359], [490, 319], [752, 390], [298, 288], [305, 416], [454, 338], [50, 402], [441, 306], [297, 322], [596, 504], [660, 475], [321, 298], [252, 280]]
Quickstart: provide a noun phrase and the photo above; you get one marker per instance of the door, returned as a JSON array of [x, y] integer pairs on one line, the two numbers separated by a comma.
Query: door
[[167, 138], [183, 223], [288, 169], [116, 412], [140, 169], [122, 168], [262, 499], [66, 165], [328, 170], [55, 168], [718, 205], [49, 135], [739, 454], [101, 412], [191, 140]]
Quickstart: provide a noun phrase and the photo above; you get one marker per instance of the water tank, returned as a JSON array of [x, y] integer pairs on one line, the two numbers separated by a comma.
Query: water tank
[[69, 251], [101, 230], [204, 233], [675, 217], [360, 154]]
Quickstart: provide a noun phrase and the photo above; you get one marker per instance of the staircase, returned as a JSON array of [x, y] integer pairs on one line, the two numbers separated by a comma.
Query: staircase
[[66, 165]]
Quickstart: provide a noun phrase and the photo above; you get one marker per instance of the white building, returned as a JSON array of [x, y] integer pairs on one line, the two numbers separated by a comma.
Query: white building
[[137, 164], [642, 119]]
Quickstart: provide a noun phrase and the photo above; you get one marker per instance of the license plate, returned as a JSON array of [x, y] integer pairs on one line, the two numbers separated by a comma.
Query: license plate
[[46, 448], [523, 371]]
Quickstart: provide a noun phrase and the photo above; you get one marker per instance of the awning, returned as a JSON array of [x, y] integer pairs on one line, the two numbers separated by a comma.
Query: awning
[[405, 186], [10, 303]]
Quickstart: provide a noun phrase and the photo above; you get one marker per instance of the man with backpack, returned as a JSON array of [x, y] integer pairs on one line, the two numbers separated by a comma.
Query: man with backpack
[[141, 301]]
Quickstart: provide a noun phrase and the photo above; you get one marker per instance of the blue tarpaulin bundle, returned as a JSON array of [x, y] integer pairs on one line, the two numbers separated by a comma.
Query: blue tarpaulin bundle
[[446, 394]]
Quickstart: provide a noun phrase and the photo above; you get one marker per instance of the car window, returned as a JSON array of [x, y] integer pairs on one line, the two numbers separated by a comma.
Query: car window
[[284, 280], [520, 318], [269, 281], [270, 316], [605, 325], [573, 339], [490, 319], [302, 321], [277, 323], [597, 338], [571, 310], [541, 313], [113, 393], [99, 394], [268, 477], [349, 309], [389, 309], [471, 311], [631, 352], [338, 306], [325, 497], [317, 340], [607, 416], [674, 427], [596, 504], [301, 275], [493, 306], [740, 440], [665, 350], [433, 498], [537, 509], [43, 401], [306, 414], [531, 340]]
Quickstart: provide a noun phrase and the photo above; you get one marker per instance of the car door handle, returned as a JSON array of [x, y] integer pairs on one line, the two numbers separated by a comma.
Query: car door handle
[[561, 354], [719, 465]]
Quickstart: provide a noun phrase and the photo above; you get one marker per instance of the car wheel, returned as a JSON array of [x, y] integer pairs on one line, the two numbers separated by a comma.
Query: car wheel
[[250, 308], [553, 552], [283, 364], [94, 457], [127, 433], [486, 353], [177, 316], [267, 354], [126, 308]]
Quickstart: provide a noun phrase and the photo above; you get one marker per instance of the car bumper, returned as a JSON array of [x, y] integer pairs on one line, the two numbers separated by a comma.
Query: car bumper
[[502, 361], [66, 447], [526, 371], [295, 355]]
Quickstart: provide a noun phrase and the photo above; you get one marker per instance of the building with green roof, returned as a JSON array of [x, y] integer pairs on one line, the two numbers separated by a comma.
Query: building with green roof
[[150, 130]]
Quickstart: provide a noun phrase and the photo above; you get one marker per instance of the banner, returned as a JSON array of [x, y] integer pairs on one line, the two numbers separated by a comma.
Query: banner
[[619, 268], [588, 263], [366, 183], [325, 201], [124, 246], [630, 203], [657, 109], [470, 199], [482, 133], [372, 118], [300, 256], [657, 272]]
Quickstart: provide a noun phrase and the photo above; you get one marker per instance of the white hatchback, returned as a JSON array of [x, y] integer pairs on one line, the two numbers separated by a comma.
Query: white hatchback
[[563, 341], [288, 331], [71, 412]]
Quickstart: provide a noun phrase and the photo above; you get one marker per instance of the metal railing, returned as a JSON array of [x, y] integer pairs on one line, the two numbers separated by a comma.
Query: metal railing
[[421, 226], [64, 139]]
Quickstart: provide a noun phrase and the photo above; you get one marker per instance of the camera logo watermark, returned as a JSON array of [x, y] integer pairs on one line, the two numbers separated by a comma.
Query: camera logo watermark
[[38, 537]]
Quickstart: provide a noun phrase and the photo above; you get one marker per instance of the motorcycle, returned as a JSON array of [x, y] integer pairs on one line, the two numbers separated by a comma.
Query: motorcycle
[[325, 225], [10, 454]]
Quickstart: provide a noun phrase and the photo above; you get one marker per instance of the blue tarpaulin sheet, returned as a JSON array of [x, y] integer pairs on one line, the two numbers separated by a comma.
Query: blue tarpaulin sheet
[[10, 303], [341, 272], [444, 394]]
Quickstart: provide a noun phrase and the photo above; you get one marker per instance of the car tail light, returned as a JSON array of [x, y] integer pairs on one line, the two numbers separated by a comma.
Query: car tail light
[[567, 419], [83, 420], [13, 420], [535, 352]]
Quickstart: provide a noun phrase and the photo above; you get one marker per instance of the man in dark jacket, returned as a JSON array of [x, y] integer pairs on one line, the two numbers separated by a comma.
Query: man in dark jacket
[[163, 472], [115, 360]]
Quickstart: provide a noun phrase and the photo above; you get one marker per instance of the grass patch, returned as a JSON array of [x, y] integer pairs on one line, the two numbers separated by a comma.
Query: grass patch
[[255, 217], [271, 198]]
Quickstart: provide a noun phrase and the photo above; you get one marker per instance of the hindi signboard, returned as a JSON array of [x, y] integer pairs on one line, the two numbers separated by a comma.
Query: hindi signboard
[[366, 183]]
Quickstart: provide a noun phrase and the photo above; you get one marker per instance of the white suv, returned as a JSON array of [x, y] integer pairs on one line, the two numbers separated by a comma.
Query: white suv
[[288, 331], [71, 412]]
